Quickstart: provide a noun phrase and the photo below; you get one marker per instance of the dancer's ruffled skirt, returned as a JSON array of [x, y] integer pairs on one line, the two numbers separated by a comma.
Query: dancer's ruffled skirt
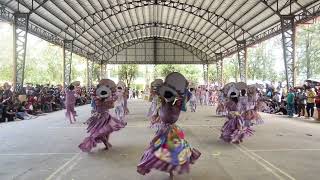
[[156, 122], [70, 113], [252, 117], [152, 110], [169, 152], [221, 110], [101, 125], [153, 115], [234, 130], [119, 110]]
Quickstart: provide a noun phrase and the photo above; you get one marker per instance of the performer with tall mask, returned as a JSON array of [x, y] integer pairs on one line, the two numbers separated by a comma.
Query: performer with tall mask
[[101, 123], [168, 150]]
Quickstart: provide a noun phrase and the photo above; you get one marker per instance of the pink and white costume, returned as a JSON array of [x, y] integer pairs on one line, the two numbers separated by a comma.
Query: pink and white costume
[[70, 104]]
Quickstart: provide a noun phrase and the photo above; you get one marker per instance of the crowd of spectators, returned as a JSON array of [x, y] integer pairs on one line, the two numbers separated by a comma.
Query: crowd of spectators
[[34, 100], [299, 101]]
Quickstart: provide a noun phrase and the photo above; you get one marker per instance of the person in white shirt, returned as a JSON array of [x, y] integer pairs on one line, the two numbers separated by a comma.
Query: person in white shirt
[[193, 100]]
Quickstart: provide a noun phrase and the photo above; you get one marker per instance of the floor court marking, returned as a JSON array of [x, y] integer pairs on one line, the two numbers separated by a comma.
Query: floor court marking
[[134, 126], [280, 150], [35, 154], [272, 165], [261, 161], [57, 171], [68, 168]]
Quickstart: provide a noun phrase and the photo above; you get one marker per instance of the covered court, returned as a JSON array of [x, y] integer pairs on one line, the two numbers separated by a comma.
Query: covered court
[[46, 148], [157, 32]]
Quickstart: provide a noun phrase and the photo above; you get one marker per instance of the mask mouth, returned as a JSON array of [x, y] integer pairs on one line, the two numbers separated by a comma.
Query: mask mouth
[[103, 92]]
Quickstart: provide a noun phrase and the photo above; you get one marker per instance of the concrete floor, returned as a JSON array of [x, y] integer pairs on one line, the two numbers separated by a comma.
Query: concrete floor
[[45, 148]]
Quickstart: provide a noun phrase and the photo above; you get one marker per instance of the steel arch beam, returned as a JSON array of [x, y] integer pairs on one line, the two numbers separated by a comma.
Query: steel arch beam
[[195, 51], [127, 30], [221, 23], [41, 4], [38, 31], [176, 28]]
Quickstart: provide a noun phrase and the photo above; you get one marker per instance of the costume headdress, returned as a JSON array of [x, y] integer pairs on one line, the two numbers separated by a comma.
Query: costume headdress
[[105, 89], [156, 84], [121, 85], [174, 87]]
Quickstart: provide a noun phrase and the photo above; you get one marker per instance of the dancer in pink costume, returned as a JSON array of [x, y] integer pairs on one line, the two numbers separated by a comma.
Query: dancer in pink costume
[[101, 123], [120, 104], [221, 109], [70, 103], [153, 113]]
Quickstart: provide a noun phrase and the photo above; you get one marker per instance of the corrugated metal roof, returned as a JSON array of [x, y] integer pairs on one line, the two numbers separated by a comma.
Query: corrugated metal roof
[[99, 26]]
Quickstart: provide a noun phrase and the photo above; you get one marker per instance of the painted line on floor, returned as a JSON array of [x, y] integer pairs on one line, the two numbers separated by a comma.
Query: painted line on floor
[[264, 163], [260, 163], [280, 150], [68, 168], [63, 166], [136, 126], [65, 127], [267, 162], [36, 154]]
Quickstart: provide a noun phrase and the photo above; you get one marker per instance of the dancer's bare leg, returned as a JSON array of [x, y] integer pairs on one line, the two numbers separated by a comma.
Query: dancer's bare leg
[[70, 117], [109, 145], [171, 175], [105, 142]]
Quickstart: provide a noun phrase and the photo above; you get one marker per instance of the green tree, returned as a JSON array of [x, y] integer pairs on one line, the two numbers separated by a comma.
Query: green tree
[[164, 69], [212, 73], [191, 73], [230, 69], [128, 72], [308, 51], [6, 53]]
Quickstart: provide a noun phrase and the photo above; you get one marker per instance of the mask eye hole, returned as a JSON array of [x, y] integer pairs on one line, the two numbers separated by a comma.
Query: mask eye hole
[[168, 94]]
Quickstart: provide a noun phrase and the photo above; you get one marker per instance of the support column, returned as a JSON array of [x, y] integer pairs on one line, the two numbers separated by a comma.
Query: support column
[[20, 31], [206, 73], [90, 66], [288, 45], [242, 59], [219, 66], [147, 77], [67, 62], [103, 71]]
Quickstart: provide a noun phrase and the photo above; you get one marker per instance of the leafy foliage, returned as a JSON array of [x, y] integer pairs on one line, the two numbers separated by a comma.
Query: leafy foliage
[[128, 72], [308, 51], [191, 72]]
